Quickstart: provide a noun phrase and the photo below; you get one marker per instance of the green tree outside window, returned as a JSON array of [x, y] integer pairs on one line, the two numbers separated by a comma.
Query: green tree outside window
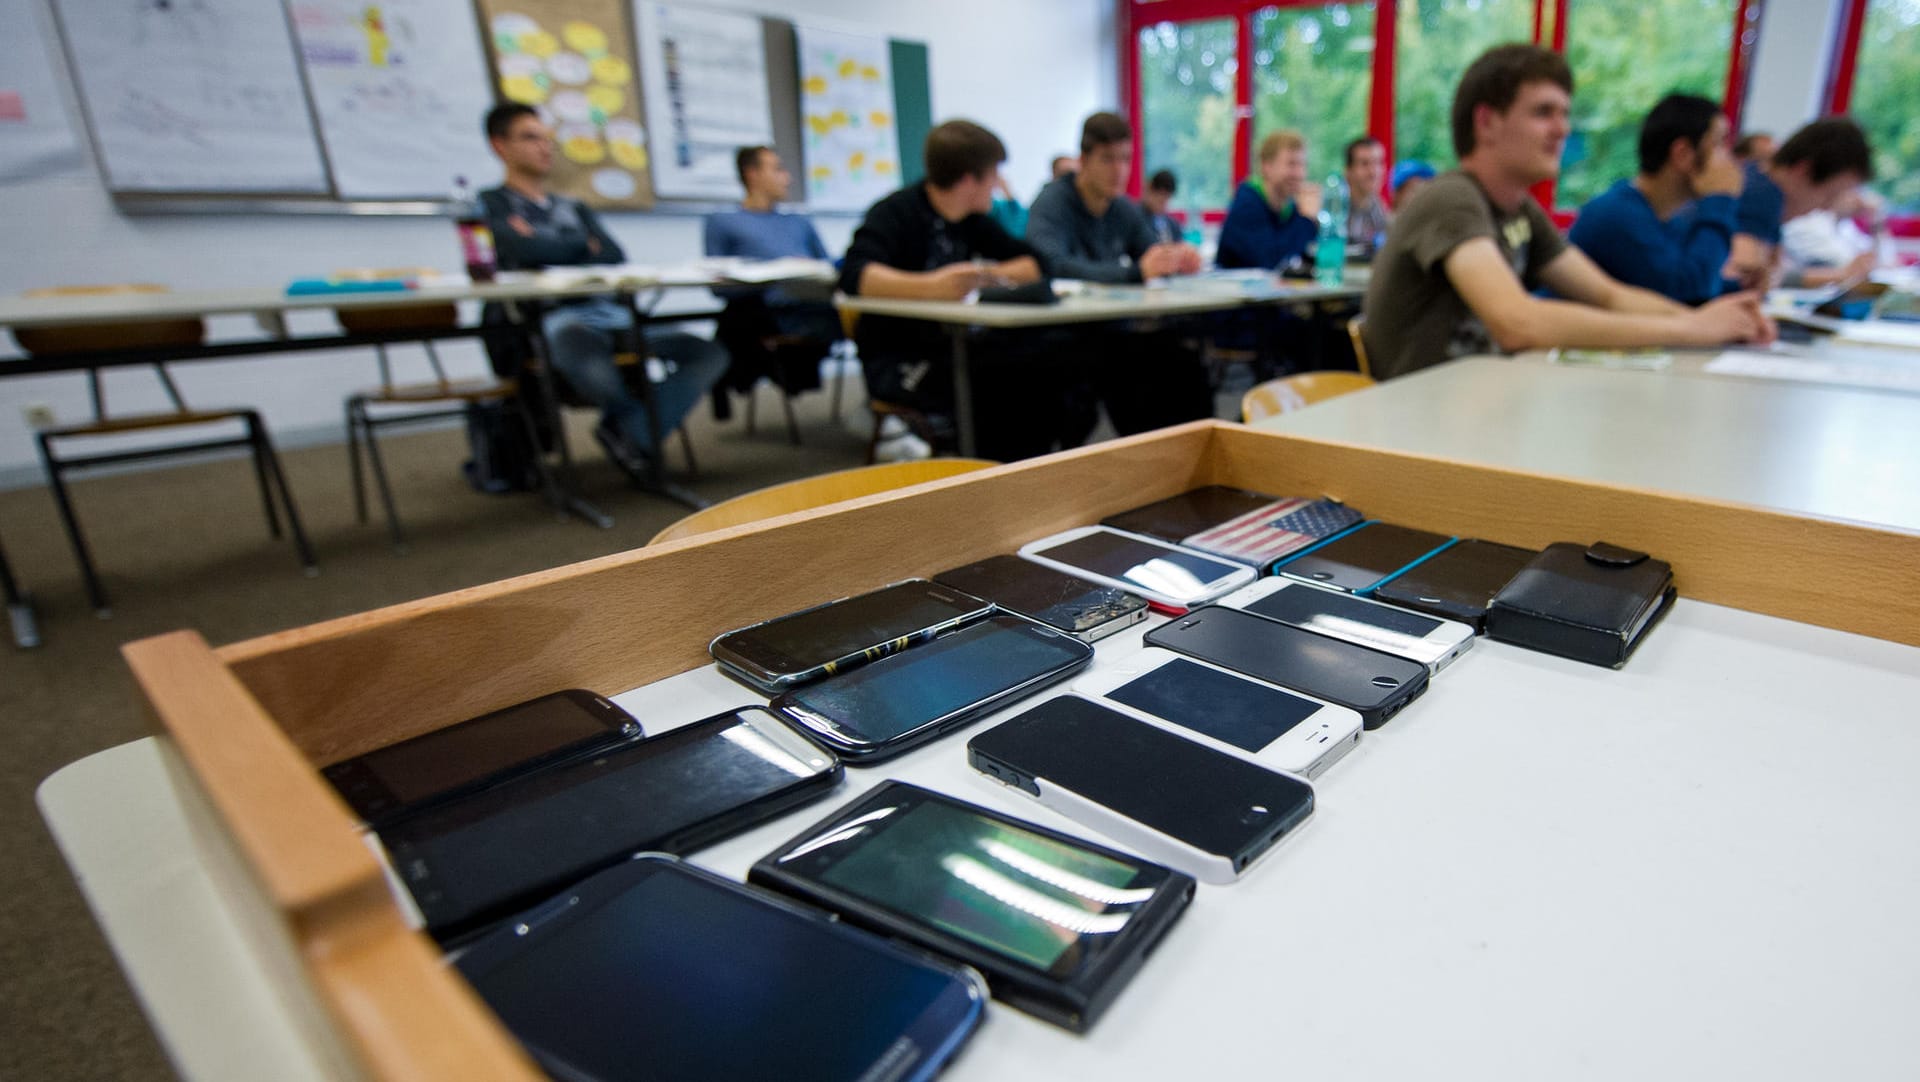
[[1885, 87]]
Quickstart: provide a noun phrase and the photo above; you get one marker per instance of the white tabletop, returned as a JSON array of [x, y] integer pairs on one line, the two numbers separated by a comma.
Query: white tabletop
[[1098, 303], [1831, 452], [1695, 867]]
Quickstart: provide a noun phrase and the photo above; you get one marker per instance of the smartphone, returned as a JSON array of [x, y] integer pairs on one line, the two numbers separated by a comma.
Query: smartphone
[[1204, 812], [657, 969], [1459, 582], [403, 778], [1362, 558], [1191, 512], [817, 642], [1086, 610], [480, 858], [903, 701], [1168, 576], [1374, 684], [1058, 925], [1432, 642], [1276, 531], [1242, 716]]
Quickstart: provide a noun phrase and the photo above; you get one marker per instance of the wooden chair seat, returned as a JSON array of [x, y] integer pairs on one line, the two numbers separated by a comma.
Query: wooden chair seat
[[1277, 396], [402, 317], [811, 492], [91, 337], [144, 421], [458, 390]]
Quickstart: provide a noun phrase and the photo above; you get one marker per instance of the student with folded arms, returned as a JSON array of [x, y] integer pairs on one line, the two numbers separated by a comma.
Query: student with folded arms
[[1462, 263]]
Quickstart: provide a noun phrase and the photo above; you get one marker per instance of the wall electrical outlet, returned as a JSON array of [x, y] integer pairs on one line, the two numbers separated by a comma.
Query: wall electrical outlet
[[38, 415]]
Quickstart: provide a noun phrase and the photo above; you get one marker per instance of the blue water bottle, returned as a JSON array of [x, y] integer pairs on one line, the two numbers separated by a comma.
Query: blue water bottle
[[1330, 256]]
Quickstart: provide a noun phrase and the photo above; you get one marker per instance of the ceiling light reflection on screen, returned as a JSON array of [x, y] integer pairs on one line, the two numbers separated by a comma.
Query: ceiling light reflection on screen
[[1072, 883], [1024, 898], [745, 738], [1340, 627], [852, 829], [1166, 577]]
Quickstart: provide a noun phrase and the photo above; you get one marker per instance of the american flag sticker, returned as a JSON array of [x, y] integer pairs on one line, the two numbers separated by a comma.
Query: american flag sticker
[[1273, 531]]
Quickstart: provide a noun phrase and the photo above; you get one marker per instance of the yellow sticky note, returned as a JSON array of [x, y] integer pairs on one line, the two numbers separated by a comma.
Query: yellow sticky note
[[816, 85], [606, 99], [523, 89], [539, 43], [584, 37], [631, 156], [848, 68], [584, 150], [883, 167], [857, 159], [869, 72], [821, 172], [612, 71], [879, 118]]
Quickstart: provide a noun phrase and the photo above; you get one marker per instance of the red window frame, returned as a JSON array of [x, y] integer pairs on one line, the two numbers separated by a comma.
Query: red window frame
[[1841, 71], [1132, 15]]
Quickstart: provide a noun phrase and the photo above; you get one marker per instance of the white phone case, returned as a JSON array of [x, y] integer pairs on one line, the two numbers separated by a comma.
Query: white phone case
[[1233, 580], [1436, 650]]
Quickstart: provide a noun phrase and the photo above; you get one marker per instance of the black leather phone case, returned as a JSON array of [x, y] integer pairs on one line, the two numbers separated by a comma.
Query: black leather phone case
[[1591, 603]]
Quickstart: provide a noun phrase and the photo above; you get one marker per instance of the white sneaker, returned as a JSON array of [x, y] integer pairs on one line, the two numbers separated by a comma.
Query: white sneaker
[[905, 447]]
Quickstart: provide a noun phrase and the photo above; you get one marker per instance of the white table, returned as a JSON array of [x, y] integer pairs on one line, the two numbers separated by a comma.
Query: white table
[[1830, 452], [1696, 867]]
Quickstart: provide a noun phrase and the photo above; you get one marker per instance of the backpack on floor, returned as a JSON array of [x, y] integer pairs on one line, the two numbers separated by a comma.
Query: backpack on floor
[[504, 456]]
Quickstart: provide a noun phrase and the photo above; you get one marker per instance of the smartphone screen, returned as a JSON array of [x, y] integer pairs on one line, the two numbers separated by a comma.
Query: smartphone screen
[[1054, 598], [1357, 561], [846, 629], [653, 969], [1042, 902], [1234, 711], [1162, 569], [1190, 512], [1344, 616], [448, 760], [1459, 581], [899, 696], [674, 792]]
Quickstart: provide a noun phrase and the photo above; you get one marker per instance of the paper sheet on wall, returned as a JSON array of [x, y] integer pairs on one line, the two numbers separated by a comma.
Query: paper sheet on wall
[[705, 74], [573, 60], [399, 87], [194, 95], [1875, 369], [37, 138], [847, 118]]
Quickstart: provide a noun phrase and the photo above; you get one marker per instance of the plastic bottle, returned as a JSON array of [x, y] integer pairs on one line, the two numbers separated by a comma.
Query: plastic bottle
[[476, 240], [1330, 256]]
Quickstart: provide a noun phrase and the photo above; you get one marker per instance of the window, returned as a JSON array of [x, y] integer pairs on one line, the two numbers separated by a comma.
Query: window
[[1313, 71], [1187, 74], [1886, 85], [1435, 41], [1626, 57]]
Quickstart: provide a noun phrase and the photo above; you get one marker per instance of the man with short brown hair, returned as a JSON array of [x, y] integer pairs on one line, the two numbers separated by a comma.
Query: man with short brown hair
[[1274, 217]]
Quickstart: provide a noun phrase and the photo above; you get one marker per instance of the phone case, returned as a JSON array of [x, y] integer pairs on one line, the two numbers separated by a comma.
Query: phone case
[[741, 668], [1376, 685], [1037, 551], [1327, 563], [1167, 782], [1367, 622], [1272, 533], [1592, 603], [1075, 1003], [1069, 604], [1437, 589], [1191, 512]]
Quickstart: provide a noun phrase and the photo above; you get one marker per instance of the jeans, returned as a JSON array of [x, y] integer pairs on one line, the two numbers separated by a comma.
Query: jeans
[[583, 339]]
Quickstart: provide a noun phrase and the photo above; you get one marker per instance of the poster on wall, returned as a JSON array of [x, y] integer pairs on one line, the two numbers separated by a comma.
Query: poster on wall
[[400, 87], [573, 61], [847, 122], [200, 96], [705, 74], [36, 136]]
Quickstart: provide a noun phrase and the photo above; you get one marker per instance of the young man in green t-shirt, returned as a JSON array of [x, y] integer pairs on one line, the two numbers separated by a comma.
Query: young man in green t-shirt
[[1461, 265]]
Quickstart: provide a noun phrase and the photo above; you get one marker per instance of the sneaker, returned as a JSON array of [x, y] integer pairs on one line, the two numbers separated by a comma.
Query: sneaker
[[621, 452], [905, 447]]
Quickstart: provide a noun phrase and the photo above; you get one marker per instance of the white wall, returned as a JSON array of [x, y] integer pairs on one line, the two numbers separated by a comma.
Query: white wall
[[1790, 64], [1032, 85]]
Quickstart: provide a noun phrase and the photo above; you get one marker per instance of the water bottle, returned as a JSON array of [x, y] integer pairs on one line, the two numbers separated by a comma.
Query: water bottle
[[476, 240], [1330, 256]]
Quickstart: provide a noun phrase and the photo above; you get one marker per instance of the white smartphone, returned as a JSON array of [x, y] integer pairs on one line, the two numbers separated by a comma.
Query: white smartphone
[[1237, 714], [1171, 578], [1429, 640]]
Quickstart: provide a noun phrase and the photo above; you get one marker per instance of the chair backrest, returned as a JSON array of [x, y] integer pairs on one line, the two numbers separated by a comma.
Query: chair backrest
[[849, 322], [811, 492], [1359, 347], [1290, 393]]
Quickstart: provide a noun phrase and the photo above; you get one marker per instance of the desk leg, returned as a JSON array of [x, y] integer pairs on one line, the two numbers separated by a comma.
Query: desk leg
[[26, 630], [564, 495], [962, 393], [657, 482]]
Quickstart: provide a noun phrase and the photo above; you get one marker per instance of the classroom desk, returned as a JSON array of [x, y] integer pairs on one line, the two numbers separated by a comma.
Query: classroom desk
[[1093, 304], [1831, 452], [1689, 868]]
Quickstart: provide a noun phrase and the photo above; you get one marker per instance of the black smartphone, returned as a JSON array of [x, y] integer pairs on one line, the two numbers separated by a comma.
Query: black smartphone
[[1364, 557], [1374, 684], [403, 778], [830, 638], [1179, 517], [480, 858], [902, 701], [1202, 811], [1057, 924], [1086, 610], [657, 969], [1459, 582]]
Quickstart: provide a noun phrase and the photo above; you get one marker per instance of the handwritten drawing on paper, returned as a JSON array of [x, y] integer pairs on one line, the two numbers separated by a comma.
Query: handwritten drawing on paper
[[847, 118]]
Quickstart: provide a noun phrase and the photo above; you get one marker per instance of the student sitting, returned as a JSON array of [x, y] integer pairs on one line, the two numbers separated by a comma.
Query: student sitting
[[1460, 267], [934, 241], [535, 228], [1822, 247], [1085, 227], [1155, 200], [1669, 229], [1368, 216], [1813, 170], [1274, 218], [757, 323], [1408, 178]]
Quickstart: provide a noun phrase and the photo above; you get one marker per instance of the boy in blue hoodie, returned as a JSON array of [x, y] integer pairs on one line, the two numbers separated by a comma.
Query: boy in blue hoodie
[[1275, 218]]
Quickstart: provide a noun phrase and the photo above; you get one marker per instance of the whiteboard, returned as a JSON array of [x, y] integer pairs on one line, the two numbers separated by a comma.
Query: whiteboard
[[400, 88], [36, 139], [193, 95], [847, 118], [705, 76]]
